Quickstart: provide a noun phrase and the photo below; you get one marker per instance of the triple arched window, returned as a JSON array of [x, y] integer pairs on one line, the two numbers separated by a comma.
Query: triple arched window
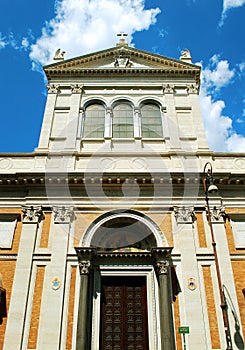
[[122, 121]]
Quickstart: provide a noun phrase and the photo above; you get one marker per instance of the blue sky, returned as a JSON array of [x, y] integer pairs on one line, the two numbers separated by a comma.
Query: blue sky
[[213, 31]]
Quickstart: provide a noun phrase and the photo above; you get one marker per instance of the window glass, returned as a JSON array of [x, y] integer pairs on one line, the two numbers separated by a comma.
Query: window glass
[[123, 126], [94, 122], [151, 121]]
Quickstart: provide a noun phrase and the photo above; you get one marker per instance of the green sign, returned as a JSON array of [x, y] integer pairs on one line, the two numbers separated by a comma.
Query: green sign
[[184, 330]]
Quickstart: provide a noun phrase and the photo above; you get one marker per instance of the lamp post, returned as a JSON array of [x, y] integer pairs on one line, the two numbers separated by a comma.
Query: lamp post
[[210, 187]]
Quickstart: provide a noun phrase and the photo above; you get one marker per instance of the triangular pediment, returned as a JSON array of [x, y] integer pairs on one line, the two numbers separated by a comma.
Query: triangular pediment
[[121, 57]]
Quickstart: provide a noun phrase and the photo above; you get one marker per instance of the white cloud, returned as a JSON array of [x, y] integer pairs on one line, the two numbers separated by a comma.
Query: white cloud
[[227, 5], [241, 67], [217, 126], [221, 136], [217, 74], [162, 33], [18, 44], [2, 41], [82, 26], [25, 43], [236, 143]]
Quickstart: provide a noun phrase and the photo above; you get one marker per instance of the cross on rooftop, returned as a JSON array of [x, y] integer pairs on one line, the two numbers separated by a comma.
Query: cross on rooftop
[[122, 37]]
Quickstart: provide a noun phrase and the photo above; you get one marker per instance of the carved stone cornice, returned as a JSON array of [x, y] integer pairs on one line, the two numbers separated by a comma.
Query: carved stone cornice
[[84, 253], [63, 215], [173, 178], [54, 72], [32, 214], [184, 215], [53, 88]]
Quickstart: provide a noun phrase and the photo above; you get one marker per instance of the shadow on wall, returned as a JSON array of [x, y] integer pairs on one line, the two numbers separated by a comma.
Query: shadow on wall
[[237, 335]]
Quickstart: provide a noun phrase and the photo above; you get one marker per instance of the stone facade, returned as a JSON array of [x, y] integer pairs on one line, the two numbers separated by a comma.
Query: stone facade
[[94, 206]]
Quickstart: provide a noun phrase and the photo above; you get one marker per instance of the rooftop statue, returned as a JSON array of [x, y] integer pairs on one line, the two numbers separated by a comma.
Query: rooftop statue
[[59, 55]]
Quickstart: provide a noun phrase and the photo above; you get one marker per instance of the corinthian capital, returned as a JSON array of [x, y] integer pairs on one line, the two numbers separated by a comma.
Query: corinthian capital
[[192, 89], [32, 214], [218, 214], [168, 89], [63, 215], [76, 88], [84, 267], [162, 267], [53, 88], [184, 215]]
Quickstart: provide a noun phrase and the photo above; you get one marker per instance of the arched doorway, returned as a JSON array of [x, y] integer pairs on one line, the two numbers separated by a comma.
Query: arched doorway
[[115, 223], [125, 292], [123, 233]]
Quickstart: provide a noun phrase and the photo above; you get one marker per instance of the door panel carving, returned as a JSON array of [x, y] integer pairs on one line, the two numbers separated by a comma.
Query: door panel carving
[[124, 323]]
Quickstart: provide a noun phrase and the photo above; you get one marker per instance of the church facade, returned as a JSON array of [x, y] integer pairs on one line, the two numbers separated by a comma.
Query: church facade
[[109, 236]]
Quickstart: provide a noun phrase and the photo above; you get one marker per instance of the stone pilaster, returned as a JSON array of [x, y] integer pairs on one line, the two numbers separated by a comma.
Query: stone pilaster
[[185, 244], [163, 257], [73, 119], [174, 142], [53, 90], [17, 309], [165, 124], [83, 323], [137, 123], [51, 314], [108, 123]]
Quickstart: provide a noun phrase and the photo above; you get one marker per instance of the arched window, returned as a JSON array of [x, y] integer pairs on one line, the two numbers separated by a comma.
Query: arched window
[[151, 121], [124, 234], [122, 126], [94, 122]]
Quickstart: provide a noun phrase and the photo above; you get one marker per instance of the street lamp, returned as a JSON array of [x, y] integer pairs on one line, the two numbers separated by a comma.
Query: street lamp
[[210, 187]]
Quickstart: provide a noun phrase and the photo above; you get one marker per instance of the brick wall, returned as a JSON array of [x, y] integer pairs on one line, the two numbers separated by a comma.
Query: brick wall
[[7, 269]]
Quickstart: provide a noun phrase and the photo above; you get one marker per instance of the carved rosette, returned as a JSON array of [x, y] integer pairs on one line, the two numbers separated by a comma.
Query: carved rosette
[[192, 89], [184, 215], [218, 214], [84, 267], [76, 89], [53, 88], [162, 267], [63, 215], [32, 214], [168, 89]]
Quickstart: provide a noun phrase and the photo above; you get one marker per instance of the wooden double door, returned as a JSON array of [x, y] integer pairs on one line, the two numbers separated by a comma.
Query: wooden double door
[[124, 323]]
